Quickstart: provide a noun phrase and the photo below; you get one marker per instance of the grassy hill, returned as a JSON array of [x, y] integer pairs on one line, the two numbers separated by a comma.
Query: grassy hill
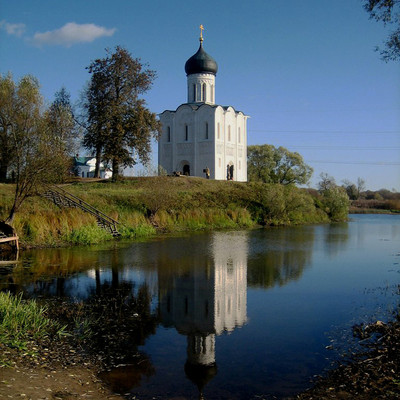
[[146, 206]]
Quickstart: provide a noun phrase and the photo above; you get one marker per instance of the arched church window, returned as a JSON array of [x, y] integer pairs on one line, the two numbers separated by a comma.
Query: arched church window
[[206, 130], [212, 93], [204, 92], [229, 133], [194, 93], [218, 130], [240, 165], [239, 136], [169, 134], [186, 133]]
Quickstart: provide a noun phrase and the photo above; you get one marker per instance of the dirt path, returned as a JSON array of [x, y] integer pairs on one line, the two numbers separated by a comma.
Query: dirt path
[[69, 383]]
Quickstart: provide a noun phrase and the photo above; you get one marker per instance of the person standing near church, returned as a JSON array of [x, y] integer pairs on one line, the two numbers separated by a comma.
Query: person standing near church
[[207, 171]]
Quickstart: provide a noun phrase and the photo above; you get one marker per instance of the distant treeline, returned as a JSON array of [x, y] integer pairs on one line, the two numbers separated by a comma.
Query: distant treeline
[[381, 200]]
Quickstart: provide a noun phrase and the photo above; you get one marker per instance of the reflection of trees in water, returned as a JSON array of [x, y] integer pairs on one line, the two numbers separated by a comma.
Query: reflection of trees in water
[[42, 267], [119, 321], [111, 323], [54, 272], [336, 238], [279, 256]]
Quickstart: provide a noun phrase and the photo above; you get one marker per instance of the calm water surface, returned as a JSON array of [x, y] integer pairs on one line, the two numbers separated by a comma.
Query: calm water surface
[[239, 314]]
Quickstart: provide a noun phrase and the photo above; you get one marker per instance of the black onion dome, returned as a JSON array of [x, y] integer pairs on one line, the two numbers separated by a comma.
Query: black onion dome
[[201, 62]]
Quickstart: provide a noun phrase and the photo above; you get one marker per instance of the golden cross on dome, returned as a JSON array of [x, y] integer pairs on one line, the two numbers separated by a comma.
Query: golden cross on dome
[[201, 32]]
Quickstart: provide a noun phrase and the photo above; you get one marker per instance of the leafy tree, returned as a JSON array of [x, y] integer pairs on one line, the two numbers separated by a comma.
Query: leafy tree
[[334, 199], [37, 157], [269, 164], [351, 189], [8, 111], [61, 120], [336, 203], [326, 182], [387, 11], [118, 121], [354, 191]]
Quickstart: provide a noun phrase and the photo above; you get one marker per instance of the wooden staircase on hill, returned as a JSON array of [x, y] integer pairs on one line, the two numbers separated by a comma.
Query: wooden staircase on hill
[[62, 198]]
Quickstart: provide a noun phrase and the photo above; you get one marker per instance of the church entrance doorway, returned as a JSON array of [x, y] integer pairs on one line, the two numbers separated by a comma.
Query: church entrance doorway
[[229, 171], [183, 167]]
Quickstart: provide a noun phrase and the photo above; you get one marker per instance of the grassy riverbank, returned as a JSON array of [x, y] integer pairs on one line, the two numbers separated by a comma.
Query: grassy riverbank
[[146, 206], [23, 324]]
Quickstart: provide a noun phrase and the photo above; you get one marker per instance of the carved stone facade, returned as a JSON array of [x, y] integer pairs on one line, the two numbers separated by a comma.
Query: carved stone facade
[[200, 134]]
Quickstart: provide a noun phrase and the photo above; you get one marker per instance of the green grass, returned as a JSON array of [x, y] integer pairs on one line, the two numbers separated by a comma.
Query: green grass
[[146, 206], [23, 321], [135, 232], [88, 234]]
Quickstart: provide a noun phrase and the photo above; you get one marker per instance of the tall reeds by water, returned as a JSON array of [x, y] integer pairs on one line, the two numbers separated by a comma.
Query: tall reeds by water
[[146, 206], [23, 321]]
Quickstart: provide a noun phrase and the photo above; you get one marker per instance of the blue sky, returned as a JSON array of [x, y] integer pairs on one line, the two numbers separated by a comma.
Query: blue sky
[[304, 71]]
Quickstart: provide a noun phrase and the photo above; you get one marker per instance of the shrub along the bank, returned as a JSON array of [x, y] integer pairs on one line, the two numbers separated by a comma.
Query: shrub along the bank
[[145, 206]]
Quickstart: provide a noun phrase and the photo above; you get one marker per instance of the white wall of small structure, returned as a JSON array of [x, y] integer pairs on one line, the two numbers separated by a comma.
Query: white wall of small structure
[[87, 171]]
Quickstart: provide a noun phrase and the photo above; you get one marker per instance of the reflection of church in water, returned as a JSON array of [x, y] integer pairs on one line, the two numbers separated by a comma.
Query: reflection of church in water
[[206, 300]]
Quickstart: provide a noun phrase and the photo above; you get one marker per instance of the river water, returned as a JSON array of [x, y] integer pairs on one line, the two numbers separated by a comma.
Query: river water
[[236, 315]]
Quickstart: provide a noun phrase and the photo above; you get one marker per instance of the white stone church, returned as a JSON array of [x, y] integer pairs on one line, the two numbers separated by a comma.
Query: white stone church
[[201, 136]]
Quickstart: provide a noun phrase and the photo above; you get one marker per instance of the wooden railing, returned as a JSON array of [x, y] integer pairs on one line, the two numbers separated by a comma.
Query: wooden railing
[[7, 239], [62, 198], [8, 235]]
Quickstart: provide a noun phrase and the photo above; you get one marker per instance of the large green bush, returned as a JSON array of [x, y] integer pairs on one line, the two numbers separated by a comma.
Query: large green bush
[[336, 203]]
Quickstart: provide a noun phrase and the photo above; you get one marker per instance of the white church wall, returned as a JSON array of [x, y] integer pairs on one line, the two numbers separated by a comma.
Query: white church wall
[[230, 141], [165, 152], [205, 141], [219, 144], [184, 136], [242, 148], [184, 117]]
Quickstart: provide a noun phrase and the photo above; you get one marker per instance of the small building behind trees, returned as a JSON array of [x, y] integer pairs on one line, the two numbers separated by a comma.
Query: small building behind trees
[[84, 167]]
